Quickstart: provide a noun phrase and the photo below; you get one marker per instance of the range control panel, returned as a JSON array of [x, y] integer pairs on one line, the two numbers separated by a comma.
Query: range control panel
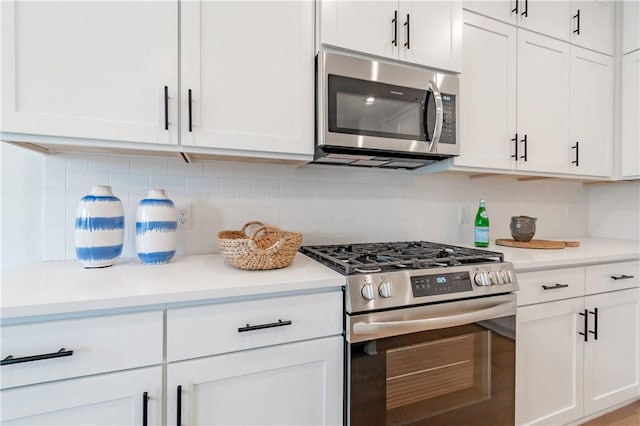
[[432, 285]]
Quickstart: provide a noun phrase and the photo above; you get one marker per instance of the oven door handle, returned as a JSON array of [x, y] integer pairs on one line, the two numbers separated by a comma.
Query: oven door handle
[[459, 318]]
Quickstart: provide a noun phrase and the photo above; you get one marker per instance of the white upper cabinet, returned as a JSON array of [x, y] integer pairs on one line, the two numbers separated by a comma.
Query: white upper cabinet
[[630, 112], [547, 17], [630, 25], [593, 25], [247, 74], [503, 10], [488, 87], [543, 103], [424, 33], [91, 70], [591, 123]]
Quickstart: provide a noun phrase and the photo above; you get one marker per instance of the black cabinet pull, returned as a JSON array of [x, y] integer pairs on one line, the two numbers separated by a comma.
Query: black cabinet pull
[[553, 287], [515, 139], [524, 157], [621, 277], [145, 404], [586, 325], [190, 127], [408, 25], [595, 323], [526, 8], [394, 21], [248, 327], [166, 108], [577, 16], [179, 407], [577, 148], [515, 9], [11, 360]]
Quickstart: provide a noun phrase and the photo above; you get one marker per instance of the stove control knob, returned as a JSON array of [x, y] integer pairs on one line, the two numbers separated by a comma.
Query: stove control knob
[[499, 277], [506, 277], [482, 278], [368, 291], [384, 289]]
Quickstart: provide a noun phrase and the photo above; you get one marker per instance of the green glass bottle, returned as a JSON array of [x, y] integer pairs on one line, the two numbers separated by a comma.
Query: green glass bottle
[[481, 232]]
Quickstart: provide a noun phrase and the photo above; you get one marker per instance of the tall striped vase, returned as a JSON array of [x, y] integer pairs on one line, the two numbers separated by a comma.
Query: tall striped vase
[[99, 228], [156, 224]]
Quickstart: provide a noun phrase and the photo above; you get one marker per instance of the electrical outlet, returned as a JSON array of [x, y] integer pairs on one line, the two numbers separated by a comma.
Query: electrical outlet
[[184, 217], [463, 218]]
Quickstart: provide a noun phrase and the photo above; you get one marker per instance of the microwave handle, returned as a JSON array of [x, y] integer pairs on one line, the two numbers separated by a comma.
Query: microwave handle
[[437, 130]]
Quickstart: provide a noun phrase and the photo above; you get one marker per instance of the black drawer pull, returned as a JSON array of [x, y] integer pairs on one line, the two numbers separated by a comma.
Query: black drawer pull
[[553, 287], [248, 327], [595, 323], [621, 277], [145, 408], [179, 406], [585, 314], [11, 360]]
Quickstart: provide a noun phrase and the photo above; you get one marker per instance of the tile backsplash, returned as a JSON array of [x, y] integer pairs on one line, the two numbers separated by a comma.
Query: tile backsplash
[[327, 204]]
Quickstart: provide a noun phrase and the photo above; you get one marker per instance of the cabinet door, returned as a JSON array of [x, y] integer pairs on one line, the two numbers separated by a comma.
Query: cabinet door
[[548, 17], [630, 114], [488, 87], [543, 102], [108, 399], [611, 359], [434, 33], [549, 356], [91, 70], [503, 10], [595, 29], [297, 383], [250, 69], [591, 125], [367, 27], [630, 27]]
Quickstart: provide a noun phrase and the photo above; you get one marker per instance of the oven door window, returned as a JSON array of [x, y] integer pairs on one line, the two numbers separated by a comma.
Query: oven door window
[[369, 108], [454, 376]]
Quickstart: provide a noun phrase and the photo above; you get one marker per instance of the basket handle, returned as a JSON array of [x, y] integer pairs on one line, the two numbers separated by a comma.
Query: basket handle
[[264, 228], [248, 224]]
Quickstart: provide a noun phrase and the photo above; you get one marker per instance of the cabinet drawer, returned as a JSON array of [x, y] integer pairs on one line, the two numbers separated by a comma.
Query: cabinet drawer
[[545, 286], [226, 327], [98, 344], [612, 276]]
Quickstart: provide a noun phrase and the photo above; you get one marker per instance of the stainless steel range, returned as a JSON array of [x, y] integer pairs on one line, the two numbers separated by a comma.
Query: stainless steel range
[[430, 332]]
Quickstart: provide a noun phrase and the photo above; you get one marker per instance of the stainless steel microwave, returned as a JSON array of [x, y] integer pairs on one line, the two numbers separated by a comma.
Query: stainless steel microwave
[[373, 113]]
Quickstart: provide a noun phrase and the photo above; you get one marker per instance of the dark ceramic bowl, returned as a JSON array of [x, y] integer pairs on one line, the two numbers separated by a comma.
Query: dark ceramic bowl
[[523, 228]]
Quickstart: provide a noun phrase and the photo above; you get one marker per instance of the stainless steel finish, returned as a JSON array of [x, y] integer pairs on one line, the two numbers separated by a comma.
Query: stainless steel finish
[[385, 72], [384, 289], [376, 325], [368, 291], [437, 131]]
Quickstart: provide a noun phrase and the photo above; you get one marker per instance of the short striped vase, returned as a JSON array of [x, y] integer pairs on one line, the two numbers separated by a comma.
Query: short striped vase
[[156, 224], [99, 228]]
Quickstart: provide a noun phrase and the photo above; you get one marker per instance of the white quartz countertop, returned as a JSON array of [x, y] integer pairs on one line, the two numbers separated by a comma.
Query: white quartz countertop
[[591, 251], [48, 288]]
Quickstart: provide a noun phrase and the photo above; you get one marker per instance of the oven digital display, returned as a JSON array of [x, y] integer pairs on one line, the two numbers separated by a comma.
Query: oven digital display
[[433, 285]]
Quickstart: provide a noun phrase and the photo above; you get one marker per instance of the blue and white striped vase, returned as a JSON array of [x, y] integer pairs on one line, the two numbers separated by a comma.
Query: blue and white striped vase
[[99, 228], [156, 224]]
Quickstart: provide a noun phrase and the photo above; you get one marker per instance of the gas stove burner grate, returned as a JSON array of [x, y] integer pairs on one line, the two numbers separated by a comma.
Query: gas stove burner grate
[[375, 257]]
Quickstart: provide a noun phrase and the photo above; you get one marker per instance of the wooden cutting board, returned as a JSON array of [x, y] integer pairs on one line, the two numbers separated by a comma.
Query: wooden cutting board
[[537, 244]]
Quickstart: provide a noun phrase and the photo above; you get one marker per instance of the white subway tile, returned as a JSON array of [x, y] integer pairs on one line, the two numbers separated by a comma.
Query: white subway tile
[[109, 164], [235, 185], [180, 168], [54, 207], [129, 181], [78, 180], [149, 166], [77, 163], [54, 242], [264, 186], [55, 171], [219, 168], [205, 184], [168, 183]]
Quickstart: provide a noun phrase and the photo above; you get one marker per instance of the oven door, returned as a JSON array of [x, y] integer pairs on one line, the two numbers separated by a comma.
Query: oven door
[[448, 363]]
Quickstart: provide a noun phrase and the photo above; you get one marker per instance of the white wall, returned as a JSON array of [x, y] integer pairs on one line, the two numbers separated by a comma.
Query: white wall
[[614, 210], [326, 203]]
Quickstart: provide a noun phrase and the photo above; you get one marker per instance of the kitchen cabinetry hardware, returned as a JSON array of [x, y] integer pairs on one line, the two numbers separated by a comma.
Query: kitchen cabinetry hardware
[[621, 277], [577, 148], [179, 406], [515, 155], [279, 323], [515, 9], [595, 323], [395, 28], [408, 25], [145, 406], [553, 287], [190, 121], [586, 325], [524, 156], [577, 18], [11, 360], [525, 12], [166, 108]]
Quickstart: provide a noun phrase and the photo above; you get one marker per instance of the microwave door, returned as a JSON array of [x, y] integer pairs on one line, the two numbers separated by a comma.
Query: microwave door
[[433, 116]]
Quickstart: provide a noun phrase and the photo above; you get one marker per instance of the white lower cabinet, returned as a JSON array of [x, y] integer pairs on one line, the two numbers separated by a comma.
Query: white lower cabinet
[[578, 354], [296, 383], [124, 398]]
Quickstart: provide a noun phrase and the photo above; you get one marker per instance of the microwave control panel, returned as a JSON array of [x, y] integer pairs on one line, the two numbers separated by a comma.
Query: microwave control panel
[[449, 123]]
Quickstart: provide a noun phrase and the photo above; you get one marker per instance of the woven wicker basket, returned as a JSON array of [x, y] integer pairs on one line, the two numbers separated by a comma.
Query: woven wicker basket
[[268, 247]]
